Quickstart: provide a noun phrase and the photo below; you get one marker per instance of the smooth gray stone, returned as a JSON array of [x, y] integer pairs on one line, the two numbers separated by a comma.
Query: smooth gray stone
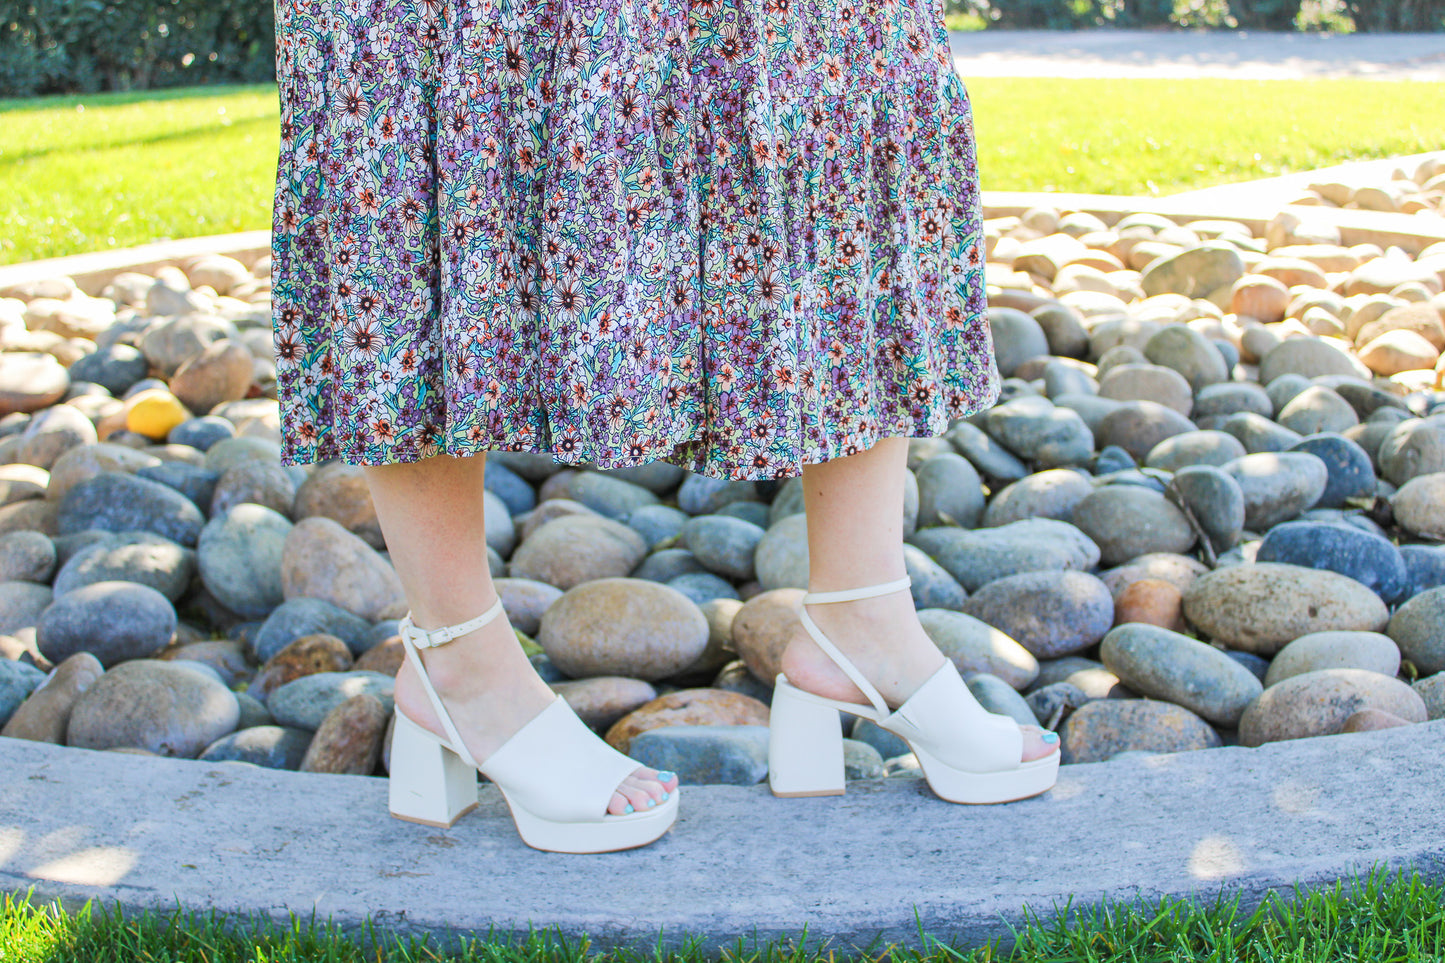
[[141, 557], [296, 617], [274, 747], [302, 703], [1350, 473], [114, 621], [657, 523], [1017, 338], [932, 586], [201, 432], [1195, 448], [949, 492], [1047, 494], [118, 502], [862, 761], [511, 488], [723, 545], [979, 557], [658, 477], [240, 555], [114, 366], [1216, 501], [668, 564], [17, 681], [754, 513], [1156, 662], [196, 483], [1418, 628], [886, 743], [1367, 558], [1277, 487], [608, 495], [1258, 434], [27, 556], [701, 495], [997, 696], [1038, 432], [1231, 398], [163, 707], [706, 755], [703, 587], [993, 461], [1413, 448]]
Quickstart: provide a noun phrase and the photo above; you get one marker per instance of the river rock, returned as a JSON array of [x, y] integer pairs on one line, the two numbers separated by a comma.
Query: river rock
[[1317, 409], [723, 545], [975, 646], [1195, 273], [623, 626], [240, 555], [603, 700], [272, 747], [141, 557], [17, 681], [1036, 544], [114, 621], [1148, 382], [1167, 665], [735, 755], [1310, 358], [1369, 651], [1432, 690], [306, 656], [26, 556], [998, 697], [1216, 500], [1049, 613], [1151, 601], [1037, 431], [1195, 448], [1127, 521], [688, 707], [1318, 703], [1182, 349], [1372, 720], [1419, 506], [993, 461], [30, 381], [608, 495], [221, 372], [1368, 559], [1418, 628], [1138, 426], [202, 432], [226, 657], [118, 502], [161, 707], [305, 702], [52, 432], [1413, 448], [297, 617], [1349, 471], [1017, 337], [568, 551], [1260, 607], [1047, 494], [45, 714], [348, 741], [1106, 727], [950, 492], [322, 560], [1277, 486], [702, 495], [256, 483]]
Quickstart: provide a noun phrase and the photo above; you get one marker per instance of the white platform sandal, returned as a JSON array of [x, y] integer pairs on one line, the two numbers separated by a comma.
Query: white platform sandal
[[968, 755], [556, 776]]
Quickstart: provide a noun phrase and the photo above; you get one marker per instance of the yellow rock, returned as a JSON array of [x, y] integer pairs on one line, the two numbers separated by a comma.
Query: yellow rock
[[154, 413]]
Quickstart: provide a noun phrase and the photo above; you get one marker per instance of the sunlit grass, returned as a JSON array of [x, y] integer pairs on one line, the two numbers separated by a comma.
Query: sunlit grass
[[1376, 918], [115, 170]]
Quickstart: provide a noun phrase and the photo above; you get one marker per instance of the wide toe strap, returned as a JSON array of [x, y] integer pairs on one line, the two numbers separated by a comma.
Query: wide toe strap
[[558, 769], [944, 718]]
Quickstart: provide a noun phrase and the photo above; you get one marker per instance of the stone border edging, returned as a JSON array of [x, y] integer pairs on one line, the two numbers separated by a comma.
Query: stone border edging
[[92, 271], [146, 833]]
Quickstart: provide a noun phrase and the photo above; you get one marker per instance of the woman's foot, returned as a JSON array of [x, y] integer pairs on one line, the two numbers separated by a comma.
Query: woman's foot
[[491, 691], [883, 638]]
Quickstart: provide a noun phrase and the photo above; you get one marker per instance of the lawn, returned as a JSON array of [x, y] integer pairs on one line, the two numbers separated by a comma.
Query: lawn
[[1377, 918], [83, 173]]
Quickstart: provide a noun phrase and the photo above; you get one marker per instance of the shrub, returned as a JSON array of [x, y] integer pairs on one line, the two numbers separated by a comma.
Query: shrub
[[1403, 15], [82, 46], [1265, 14]]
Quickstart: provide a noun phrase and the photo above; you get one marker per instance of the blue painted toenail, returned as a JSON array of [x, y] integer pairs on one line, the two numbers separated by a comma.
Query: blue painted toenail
[[664, 797], [629, 809], [651, 803], [666, 776], [1051, 737]]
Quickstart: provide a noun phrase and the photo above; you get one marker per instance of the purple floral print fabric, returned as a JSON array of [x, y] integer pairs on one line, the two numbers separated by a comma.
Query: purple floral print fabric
[[736, 235]]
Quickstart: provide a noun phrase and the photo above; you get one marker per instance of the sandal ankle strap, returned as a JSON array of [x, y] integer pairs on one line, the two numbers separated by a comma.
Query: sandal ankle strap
[[831, 650], [431, 638], [412, 637], [866, 592]]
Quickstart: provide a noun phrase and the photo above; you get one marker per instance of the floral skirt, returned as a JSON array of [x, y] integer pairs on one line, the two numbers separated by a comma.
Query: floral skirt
[[740, 236]]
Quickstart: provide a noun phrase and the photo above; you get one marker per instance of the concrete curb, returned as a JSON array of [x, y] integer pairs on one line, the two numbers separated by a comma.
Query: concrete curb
[[874, 865], [92, 271]]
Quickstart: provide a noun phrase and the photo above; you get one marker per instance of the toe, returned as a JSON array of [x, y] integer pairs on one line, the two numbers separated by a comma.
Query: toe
[[1035, 746], [637, 796], [619, 806]]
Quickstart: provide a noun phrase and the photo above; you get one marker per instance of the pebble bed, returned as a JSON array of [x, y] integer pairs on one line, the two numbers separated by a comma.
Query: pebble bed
[[1207, 511]]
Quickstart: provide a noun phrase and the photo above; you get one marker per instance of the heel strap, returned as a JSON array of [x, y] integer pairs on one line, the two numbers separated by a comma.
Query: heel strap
[[832, 651], [412, 637]]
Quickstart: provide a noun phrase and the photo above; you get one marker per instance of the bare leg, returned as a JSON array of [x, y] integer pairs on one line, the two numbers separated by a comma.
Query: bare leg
[[855, 538], [431, 518]]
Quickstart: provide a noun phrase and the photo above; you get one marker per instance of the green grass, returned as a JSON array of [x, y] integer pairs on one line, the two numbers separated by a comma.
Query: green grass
[[1380, 918], [83, 173]]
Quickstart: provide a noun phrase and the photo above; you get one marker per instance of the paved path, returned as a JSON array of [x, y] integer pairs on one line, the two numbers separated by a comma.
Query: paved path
[[1182, 54], [876, 864]]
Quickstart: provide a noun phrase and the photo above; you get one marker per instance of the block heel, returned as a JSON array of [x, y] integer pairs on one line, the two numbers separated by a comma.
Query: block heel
[[428, 783], [805, 745]]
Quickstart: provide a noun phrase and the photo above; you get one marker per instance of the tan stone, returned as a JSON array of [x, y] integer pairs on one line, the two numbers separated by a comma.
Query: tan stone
[[385, 657], [322, 560], [762, 629], [348, 741], [1397, 351], [45, 715], [1373, 720], [221, 372], [688, 707], [1151, 601], [603, 700], [305, 656], [1319, 703]]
